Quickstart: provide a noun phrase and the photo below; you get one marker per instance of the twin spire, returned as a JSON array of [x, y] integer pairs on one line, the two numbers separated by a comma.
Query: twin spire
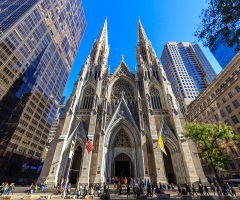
[[103, 35], [100, 50]]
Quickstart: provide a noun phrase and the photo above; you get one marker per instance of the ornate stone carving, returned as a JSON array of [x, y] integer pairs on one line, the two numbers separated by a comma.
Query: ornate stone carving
[[122, 140], [120, 86]]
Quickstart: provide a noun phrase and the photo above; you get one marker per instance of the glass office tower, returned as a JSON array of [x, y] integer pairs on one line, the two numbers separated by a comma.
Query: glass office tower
[[187, 69], [39, 40], [223, 53]]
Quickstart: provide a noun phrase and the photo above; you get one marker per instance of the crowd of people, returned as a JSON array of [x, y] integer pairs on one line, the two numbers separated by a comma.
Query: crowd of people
[[35, 188], [132, 186], [7, 189], [223, 189]]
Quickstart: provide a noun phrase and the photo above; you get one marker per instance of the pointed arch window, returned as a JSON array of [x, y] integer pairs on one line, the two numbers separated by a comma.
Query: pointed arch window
[[155, 98], [122, 140], [88, 98]]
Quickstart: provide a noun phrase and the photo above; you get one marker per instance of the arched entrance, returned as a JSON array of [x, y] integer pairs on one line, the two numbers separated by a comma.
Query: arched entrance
[[76, 164], [169, 166], [122, 166]]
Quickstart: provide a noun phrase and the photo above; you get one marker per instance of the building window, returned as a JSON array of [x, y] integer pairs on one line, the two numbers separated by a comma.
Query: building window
[[212, 121], [213, 109], [230, 94], [224, 100], [238, 161], [232, 164], [222, 113], [218, 105], [237, 89], [200, 119], [217, 117], [204, 116], [235, 119], [229, 109], [236, 104], [227, 122], [208, 113]]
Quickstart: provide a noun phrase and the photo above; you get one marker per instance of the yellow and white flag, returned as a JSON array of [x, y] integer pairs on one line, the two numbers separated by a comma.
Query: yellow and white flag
[[160, 142]]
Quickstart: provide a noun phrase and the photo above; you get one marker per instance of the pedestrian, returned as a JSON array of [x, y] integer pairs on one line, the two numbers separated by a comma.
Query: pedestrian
[[76, 192], [128, 190], [120, 189], [125, 181], [213, 188], [218, 190], [188, 189], [172, 186], [149, 190], [108, 180], [45, 183], [179, 189], [209, 180], [199, 181], [160, 186], [225, 188], [233, 191], [200, 189], [194, 190], [229, 189], [5, 189], [10, 189], [168, 186], [152, 188], [80, 189], [69, 188], [206, 189], [57, 190]]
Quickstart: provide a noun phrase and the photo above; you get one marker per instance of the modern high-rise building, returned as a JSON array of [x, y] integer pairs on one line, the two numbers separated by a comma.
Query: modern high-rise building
[[223, 53], [57, 118], [187, 69], [63, 101], [39, 40]]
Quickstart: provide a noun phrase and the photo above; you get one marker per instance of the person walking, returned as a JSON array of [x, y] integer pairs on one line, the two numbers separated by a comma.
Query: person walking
[[206, 189], [108, 181], [29, 189], [128, 190], [149, 190], [80, 189], [68, 188], [200, 189], [218, 190], [172, 186], [10, 189], [179, 189], [152, 188], [213, 188], [233, 190], [45, 183], [188, 189], [5, 189], [194, 190]]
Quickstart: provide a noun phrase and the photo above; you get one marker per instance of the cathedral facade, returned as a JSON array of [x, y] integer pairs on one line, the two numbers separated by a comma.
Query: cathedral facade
[[122, 114]]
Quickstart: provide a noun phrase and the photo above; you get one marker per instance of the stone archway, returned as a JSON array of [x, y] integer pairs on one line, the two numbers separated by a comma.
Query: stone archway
[[169, 171], [75, 169], [122, 165]]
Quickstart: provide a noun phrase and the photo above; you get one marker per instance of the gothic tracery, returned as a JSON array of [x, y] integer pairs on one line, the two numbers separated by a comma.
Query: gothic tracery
[[122, 140]]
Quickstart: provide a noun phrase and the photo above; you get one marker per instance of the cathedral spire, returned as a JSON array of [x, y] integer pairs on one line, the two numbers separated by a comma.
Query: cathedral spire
[[103, 35], [141, 35], [98, 55]]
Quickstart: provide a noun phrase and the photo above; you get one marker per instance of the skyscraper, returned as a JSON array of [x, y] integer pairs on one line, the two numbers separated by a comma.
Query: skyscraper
[[223, 53], [187, 69], [39, 40]]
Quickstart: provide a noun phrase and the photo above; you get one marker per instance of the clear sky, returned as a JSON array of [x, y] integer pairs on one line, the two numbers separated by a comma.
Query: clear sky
[[163, 21]]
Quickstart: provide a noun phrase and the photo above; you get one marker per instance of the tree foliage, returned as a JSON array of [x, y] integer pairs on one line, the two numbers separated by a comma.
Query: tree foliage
[[209, 137], [221, 20]]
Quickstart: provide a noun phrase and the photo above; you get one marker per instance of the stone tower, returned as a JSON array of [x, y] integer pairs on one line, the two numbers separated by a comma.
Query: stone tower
[[123, 114]]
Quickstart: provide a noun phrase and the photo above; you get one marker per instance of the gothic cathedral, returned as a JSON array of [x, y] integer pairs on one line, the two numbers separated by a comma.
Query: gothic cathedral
[[123, 115]]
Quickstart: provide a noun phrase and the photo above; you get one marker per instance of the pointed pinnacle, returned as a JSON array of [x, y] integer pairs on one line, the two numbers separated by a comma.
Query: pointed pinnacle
[[103, 36], [141, 35]]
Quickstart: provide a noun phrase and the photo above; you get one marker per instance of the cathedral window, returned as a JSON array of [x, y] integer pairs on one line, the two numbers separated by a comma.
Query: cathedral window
[[155, 98], [124, 86], [88, 98], [122, 140]]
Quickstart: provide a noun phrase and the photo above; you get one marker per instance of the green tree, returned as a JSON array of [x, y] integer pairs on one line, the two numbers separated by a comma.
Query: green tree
[[209, 137], [220, 20]]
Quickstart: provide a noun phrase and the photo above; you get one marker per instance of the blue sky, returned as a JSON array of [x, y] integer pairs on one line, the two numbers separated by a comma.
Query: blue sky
[[163, 21]]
